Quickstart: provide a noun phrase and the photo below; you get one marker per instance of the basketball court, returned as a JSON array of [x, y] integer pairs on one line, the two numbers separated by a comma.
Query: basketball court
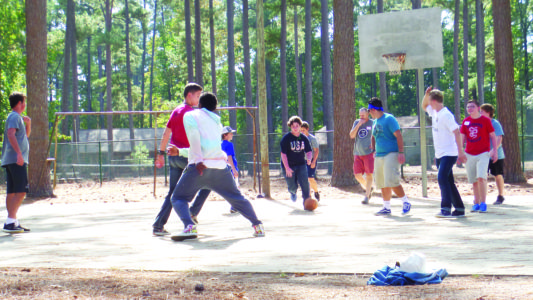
[[341, 236]]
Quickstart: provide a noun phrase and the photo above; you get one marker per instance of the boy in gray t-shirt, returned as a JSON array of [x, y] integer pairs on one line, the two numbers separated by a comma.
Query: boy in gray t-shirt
[[15, 150], [363, 162], [311, 169]]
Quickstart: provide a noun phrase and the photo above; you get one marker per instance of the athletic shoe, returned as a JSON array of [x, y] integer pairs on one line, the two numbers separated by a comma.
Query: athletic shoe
[[499, 200], [365, 200], [11, 228], [259, 230], [160, 232], [475, 208], [444, 214], [317, 196], [293, 197], [383, 212], [406, 208], [458, 214], [483, 207], [233, 211], [188, 233]]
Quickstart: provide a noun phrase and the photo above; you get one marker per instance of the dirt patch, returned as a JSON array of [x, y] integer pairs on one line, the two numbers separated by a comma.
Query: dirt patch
[[141, 189], [32, 283]]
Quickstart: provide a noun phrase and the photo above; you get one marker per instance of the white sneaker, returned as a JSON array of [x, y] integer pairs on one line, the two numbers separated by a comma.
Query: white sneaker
[[188, 233], [259, 230]]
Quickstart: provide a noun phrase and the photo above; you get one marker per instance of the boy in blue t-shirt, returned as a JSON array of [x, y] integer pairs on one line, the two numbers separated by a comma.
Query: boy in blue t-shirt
[[387, 141], [227, 146]]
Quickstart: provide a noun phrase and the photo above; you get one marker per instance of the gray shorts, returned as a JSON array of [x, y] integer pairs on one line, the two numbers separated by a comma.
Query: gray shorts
[[476, 166], [387, 171]]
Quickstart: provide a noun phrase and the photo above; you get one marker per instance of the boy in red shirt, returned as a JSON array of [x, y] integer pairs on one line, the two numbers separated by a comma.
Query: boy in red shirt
[[478, 133]]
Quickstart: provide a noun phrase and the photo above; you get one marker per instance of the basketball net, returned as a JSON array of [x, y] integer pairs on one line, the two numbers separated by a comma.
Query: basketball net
[[395, 62]]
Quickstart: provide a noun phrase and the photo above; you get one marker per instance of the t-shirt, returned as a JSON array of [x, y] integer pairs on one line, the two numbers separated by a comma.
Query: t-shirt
[[295, 148], [383, 132], [9, 156], [203, 130], [313, 142], [443, 127], [175, 123], [227, 147], [477, 133], [363, 138], [498, 130]]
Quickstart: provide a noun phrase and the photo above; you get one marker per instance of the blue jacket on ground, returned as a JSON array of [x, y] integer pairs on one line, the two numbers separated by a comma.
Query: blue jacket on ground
[[392, 276]]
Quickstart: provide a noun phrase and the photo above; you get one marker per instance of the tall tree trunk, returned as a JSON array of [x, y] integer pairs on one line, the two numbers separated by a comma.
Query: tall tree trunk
[[89, 85], [505, 90], [128, 75], [343, 91], [327, 92], [435, 75], [231, 65], [74, 65], [143, 64], [36, 73], [308, 66], [466, 31], [101, 94], [480, 50], [152, 61], [298, 68], [188, 41], [212, 43], [198, 43], [382, 75], [283, 67], [262, 97], [456, 76], [65, 92], [247, 72], [524, 28], [109, 84]]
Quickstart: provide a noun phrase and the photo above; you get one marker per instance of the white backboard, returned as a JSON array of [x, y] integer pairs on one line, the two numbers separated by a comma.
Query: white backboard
[[418, 33]]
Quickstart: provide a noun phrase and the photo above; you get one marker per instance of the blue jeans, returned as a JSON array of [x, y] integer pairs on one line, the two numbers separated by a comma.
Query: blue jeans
[[299, 176], [448, 191], [177, 164], [218, 180]]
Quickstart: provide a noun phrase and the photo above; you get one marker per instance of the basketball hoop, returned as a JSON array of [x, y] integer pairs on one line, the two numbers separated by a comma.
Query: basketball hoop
[[395, 62]]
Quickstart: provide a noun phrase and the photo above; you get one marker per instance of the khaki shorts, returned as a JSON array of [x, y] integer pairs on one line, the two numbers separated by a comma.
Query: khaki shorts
[[476, 166], [387, 171]]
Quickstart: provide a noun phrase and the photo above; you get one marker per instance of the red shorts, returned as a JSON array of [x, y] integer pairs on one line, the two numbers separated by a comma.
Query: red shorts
[[363, 164]]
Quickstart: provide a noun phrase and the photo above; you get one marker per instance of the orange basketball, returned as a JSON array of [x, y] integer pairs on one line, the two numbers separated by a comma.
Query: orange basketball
[[310, 204]]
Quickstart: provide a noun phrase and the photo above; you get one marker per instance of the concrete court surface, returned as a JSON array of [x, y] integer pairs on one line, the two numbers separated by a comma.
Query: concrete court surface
[[341, 236]]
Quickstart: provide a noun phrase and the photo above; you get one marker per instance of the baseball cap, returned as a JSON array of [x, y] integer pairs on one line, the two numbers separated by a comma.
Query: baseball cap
[[228, 129]]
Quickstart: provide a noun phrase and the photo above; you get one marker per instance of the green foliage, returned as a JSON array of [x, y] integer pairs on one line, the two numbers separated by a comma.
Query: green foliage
[[140, 154], [170, 63]]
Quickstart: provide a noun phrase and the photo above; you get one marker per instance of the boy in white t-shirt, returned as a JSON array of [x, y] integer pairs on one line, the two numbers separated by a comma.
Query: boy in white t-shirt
[[448, 146]]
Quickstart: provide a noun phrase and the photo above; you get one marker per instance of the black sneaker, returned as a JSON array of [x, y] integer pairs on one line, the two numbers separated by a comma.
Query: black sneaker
[[11, 228], [317, 196], [499, 200], [160, 232], [458, 214]]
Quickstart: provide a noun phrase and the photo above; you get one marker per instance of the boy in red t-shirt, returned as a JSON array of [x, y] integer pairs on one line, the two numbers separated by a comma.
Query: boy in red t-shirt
[[478, 133]]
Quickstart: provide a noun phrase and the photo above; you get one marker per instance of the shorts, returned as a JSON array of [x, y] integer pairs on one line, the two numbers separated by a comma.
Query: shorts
[[387, 171], [496, 168], [363, 164], [311, 172], [16, 178], [477, 166]]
